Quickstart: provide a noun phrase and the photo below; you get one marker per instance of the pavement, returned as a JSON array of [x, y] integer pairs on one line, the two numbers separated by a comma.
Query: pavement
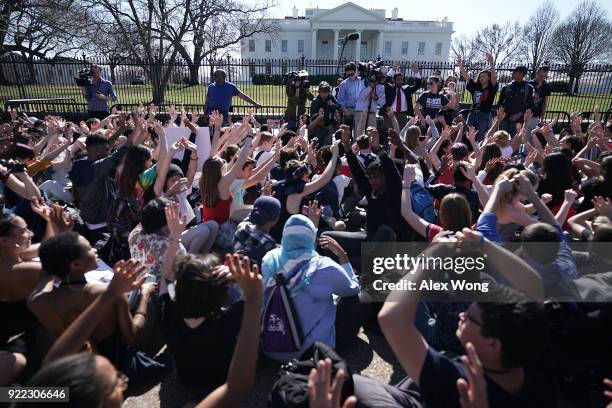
[[370, 355]]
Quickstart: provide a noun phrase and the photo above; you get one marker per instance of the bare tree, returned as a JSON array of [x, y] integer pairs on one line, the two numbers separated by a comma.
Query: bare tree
[[538, 34], [502, 41], [152, 32], [583, 37], [463, 46], [44, 29], [215, 25]]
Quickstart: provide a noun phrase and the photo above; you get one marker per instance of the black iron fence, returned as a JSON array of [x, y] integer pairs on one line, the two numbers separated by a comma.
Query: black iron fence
[[181, 83]]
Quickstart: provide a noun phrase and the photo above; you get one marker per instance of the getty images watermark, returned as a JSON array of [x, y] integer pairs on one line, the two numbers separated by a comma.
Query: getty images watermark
[[450, 265], [482, 271]]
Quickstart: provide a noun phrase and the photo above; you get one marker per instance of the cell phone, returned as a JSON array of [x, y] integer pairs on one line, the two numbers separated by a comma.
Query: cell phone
[[151, 278]]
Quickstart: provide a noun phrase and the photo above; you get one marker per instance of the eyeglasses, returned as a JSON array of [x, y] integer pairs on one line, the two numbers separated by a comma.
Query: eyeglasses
[[431, 83]]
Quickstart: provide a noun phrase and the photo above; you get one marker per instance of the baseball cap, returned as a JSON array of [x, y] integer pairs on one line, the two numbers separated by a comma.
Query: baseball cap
[[265, 209], [521, 68]]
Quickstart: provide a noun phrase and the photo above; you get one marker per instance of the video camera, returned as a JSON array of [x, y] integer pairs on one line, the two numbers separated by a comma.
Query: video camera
[[294, 76], [85, 77], [369, 68]]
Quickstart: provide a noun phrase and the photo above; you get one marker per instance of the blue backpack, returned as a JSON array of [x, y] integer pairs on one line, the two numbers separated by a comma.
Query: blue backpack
[[422, 202], [281, 331]]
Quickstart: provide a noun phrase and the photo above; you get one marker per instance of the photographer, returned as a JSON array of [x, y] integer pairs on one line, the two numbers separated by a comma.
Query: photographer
[[98, 94], [370, 98], [297, 91], [323, 115]]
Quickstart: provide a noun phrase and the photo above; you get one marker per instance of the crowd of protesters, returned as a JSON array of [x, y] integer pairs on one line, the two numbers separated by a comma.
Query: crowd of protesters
[[111, 248]]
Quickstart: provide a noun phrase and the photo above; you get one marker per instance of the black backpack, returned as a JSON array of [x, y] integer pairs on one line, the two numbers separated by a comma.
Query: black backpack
[[290, 390]]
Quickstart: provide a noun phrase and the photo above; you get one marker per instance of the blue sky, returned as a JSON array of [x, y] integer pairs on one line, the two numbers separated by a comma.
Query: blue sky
[[467, 16]]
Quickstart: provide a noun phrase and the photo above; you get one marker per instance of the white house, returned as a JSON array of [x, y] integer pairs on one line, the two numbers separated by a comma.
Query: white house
[[318, 35]]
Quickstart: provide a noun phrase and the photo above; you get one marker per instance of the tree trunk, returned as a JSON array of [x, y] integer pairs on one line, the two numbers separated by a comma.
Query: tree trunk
[[194, 71], [576, 83], [157, 84], [112, 72], [570, 86], [31, 73]]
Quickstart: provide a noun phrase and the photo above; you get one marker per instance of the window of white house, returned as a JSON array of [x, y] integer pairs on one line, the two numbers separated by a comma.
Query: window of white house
[[268, 68], [324, 47], [300, 45], [387, 50], [404, 48], [284, 46], [439, 48], [284, 67], [268, 45], [364, 49], [309, 12], [421, 50], [251, 45]]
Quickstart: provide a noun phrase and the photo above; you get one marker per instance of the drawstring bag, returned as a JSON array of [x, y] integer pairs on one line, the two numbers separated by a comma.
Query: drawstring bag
[[281, 331]]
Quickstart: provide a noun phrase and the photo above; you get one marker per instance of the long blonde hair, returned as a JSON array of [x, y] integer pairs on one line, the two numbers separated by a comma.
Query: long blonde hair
[[209, 181]]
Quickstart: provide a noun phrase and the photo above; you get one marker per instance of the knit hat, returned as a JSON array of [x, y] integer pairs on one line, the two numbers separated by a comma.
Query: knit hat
[[265, 209], [174, 170]]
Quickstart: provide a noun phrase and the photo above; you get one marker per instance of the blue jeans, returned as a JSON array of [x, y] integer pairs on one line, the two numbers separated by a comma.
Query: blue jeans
[[481, 121]]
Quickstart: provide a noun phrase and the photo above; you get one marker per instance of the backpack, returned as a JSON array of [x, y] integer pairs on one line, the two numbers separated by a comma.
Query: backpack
[[422, 202], [123, 216], [290, 390], [281, 331]]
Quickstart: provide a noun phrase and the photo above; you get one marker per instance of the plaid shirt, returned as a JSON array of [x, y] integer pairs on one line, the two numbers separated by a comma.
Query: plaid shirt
[[252, 241]]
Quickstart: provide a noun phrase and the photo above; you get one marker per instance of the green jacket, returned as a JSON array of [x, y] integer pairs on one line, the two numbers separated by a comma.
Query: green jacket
[[296, 103]]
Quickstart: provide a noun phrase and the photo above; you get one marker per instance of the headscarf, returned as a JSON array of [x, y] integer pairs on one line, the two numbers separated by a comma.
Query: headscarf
[[296, 257]]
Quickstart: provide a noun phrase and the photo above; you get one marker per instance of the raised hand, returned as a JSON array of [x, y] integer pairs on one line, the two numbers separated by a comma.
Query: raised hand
[[322, 393], [312, 211], [394, 137], [570, 195], [504, 185], [602, 205], [334, 247], [62, 221], [335, 148], [246, 276], [467, 170], [41, 208], [178, 187], [473, 392], [176, 223], [409, 174], [489, 57], [216, 119], [127, 276]]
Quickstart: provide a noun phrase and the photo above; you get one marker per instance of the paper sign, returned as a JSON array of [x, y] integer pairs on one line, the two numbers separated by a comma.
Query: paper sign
[[202, 141]]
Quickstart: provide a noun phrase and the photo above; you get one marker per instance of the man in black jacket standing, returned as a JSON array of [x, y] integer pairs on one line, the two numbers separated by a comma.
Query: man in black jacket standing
[[398, 96], [516, 98]]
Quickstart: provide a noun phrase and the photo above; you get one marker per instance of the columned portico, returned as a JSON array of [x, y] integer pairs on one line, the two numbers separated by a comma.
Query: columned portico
[[358, 46], [381, 43], [335, 44], [314, 43]]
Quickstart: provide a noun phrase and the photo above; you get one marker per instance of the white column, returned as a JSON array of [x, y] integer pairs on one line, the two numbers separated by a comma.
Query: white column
[[358, 47], [335, 44], [381, 43], [313, 53]]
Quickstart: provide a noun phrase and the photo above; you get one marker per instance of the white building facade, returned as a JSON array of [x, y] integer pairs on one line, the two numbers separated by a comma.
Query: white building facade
[[318, 35]]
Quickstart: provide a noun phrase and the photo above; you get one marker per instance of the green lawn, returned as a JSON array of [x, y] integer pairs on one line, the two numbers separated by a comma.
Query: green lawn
[[267, 95]]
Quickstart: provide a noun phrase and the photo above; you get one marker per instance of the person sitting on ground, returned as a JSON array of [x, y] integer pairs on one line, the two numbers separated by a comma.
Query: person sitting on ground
[[67, 257], [312, 279], [253, 237]]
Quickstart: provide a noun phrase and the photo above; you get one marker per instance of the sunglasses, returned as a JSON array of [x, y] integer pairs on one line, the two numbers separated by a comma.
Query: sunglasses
[[350, 73], [431, 83]]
